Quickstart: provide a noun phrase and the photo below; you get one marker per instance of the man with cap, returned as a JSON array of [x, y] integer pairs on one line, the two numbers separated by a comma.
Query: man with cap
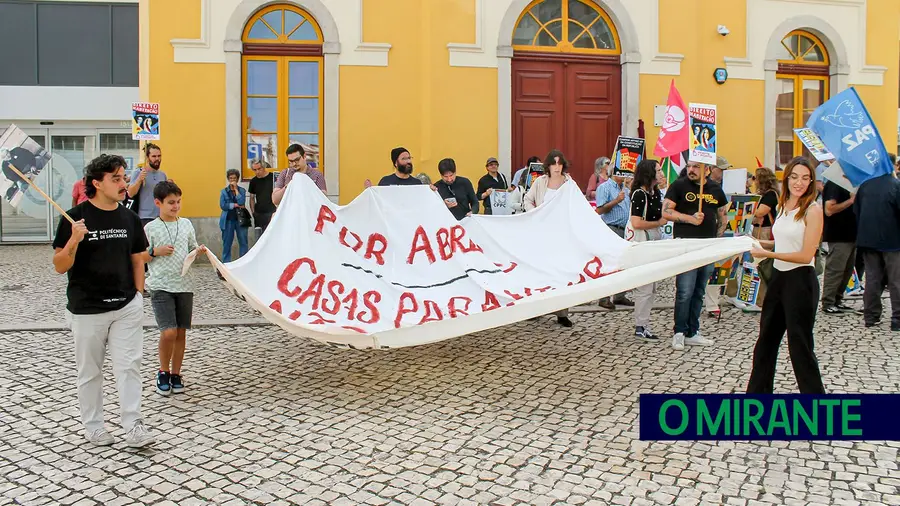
[[403, 168], [713, 292], [491, 181]]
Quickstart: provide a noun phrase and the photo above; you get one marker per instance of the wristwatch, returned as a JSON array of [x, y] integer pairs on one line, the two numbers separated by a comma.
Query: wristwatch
[[151, 253]]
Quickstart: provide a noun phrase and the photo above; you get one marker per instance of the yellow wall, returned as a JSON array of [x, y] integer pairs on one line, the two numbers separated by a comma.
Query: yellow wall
[[881, 101], [192, 112], [740, 103], [438, 111], [419, 102]]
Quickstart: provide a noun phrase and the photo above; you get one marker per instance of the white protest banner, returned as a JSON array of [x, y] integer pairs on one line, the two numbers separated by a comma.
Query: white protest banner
[[704, 136], [393, 268]]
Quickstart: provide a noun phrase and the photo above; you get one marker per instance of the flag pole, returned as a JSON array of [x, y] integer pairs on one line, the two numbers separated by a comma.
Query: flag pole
[[47, 197], [700, 197]]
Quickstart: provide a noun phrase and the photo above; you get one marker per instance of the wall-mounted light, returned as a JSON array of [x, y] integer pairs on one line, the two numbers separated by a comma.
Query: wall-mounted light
[[721, 75], [723, 30]]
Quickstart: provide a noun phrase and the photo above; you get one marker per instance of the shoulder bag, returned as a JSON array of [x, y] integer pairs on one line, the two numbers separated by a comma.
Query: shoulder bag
[[630, 232], [243, 215]]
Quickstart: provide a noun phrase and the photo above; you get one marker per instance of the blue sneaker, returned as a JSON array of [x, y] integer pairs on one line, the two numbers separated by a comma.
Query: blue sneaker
[[177, 385], [162, 383]]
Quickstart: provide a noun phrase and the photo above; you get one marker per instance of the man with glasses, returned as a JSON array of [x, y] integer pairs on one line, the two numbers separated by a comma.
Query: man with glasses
[[682, 206], [296, 165]]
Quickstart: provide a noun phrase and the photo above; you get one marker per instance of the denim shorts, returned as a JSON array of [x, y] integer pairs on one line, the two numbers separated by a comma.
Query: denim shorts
[[172, 310]]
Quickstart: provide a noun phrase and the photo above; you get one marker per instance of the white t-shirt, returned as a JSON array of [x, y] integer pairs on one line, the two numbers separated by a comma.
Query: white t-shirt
[[789, 234], [549, 194]]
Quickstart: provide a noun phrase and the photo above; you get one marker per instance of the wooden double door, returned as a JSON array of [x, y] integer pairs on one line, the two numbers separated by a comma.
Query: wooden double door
[[567, 102]]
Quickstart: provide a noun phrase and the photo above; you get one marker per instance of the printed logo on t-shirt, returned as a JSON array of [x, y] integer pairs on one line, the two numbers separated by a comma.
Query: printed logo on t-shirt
[[110, 233], [708, 198]]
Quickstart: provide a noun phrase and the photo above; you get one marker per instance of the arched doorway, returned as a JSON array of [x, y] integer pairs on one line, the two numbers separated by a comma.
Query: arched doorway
[[566, 84], [282, 88], [802, 86]]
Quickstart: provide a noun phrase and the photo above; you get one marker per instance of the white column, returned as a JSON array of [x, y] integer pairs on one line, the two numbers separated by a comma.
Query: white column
[[504, 108]]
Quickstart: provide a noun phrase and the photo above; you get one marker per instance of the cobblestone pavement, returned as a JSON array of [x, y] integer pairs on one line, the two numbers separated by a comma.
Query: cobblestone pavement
[[530, 413]]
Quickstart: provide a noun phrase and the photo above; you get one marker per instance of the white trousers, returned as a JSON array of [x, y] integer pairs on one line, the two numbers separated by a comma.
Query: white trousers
[[644, 296], [711, 301], [120, 331]]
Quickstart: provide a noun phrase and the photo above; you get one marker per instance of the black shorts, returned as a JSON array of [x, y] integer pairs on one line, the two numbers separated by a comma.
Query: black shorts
[[172, 310]]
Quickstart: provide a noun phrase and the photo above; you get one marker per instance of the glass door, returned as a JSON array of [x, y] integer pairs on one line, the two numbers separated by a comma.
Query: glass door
[[71, 150], [30, 222]]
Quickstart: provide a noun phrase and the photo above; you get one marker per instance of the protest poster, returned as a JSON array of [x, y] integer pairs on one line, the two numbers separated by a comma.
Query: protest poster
[[535, 170], [629, 153], [740, 214], [854, 286], [814, 144], [145, 121], [846, 129], [703, 133], [748, 288], [504, 202], [19, 151], [734, 181], [394, 268], [835, 174], [739, 222]]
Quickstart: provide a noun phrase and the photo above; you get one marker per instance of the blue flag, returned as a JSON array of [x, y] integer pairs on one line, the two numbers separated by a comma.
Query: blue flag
[[844, 125]]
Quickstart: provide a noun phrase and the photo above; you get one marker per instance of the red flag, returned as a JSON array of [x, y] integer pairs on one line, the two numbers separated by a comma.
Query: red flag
[[674, 136]]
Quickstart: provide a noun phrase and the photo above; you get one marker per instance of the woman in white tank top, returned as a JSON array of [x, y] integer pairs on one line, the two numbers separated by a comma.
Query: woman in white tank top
[[793, 293]]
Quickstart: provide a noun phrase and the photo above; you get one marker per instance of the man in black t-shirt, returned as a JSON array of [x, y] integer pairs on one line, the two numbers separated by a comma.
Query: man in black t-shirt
[[839, 231], [682, 206], [403, 168], [457, 192], [102, 256], [261, 205]]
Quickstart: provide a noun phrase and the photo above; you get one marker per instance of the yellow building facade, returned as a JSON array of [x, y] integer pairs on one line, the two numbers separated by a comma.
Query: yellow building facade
[[471, 79]]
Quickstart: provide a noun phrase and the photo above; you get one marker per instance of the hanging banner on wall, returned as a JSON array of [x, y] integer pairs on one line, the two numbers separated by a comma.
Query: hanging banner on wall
[[145, 121], [394, 268], [703, 133], [629, 153]]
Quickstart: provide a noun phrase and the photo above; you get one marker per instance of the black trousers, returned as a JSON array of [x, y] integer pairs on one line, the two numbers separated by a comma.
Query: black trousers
[[790, 305], [884, 268]]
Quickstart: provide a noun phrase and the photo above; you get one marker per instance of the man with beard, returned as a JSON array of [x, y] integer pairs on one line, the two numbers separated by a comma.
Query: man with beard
[[143, 181], [403, 168], [102, 255], [682, 206]]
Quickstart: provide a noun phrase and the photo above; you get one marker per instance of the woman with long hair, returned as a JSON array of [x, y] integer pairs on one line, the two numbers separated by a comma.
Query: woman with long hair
[[793, 295], [646, 222], [543, 189], [767, 189]]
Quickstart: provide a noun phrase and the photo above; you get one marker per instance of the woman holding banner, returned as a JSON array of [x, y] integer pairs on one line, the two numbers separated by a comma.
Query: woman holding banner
[[645, 224], [543, 189], [793, 296]]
